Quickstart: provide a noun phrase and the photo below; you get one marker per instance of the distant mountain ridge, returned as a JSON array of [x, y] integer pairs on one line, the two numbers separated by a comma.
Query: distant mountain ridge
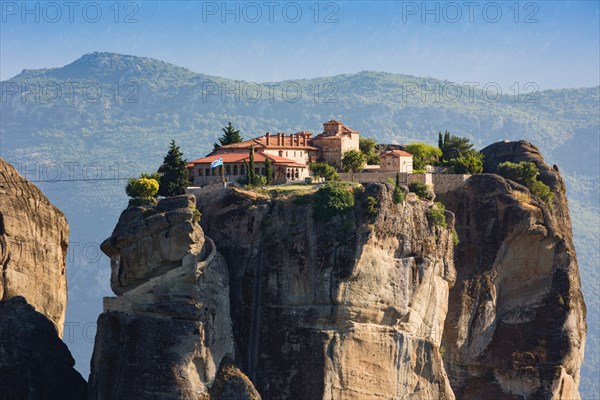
[[145, 102]]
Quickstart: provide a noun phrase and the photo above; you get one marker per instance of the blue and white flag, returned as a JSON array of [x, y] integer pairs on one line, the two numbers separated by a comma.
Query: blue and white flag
[[217, 163]]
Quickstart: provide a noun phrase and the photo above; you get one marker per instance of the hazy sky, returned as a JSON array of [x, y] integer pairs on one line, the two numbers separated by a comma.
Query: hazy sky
[[554, 44]]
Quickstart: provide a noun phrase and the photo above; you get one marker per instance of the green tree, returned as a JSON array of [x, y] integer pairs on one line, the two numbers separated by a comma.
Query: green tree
[[420, 189], [472, 163], [251, 174], [268, 170], [367, 146], [398, 195], [353, 160], [440, 141], [423, 154], [436, 216], [524, 173], [324, 170], [455, 147], [333, 199], [174, 172], [230, 136], [141, 190]]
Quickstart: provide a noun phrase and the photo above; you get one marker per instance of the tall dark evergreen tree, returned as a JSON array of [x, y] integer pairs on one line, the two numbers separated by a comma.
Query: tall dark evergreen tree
[[251, 172], [230, 136], [269, 170], [174, 176], [444, 148], [440, 141]]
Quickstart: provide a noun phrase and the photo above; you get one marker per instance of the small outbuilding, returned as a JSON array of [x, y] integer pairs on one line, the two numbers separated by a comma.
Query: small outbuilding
[[396, 161]]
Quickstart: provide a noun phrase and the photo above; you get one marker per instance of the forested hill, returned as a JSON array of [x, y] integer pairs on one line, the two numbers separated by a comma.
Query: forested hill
[[110, 116]]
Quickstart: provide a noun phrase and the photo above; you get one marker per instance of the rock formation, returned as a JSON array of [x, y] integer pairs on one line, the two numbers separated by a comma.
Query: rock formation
[[352, 308], [166, 334], [33, 246], [378, 302], [516, 320], [34, 362]]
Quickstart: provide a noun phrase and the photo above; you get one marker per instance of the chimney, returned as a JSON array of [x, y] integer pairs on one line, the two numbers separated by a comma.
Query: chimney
[[279, 139], [268, 138]]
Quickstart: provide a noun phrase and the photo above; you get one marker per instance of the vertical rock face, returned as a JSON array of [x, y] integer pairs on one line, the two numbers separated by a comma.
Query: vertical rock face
[[516, 319], [352, 308], [165, 335], [34, 362], [33, 246]]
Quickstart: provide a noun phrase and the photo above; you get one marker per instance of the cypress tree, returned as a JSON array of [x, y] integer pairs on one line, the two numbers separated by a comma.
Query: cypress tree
[[251, 173], [269, 170], [174, 173], [440, 141]]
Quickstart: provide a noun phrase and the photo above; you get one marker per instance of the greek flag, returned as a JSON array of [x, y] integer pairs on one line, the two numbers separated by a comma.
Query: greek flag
[[217, 163]]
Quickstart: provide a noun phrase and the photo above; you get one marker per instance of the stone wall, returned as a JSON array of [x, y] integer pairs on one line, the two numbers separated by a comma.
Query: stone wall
[[443, 183], [440, 183]]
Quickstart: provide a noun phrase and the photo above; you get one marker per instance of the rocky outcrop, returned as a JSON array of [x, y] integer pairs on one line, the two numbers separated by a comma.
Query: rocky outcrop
[[352, 308], [166, 333], [34, 362], [516, 319], [33, 246]]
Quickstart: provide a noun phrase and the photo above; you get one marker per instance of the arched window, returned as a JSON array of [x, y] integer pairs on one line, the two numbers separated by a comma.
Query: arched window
[[235, 169], [228, 170], [242, 170]]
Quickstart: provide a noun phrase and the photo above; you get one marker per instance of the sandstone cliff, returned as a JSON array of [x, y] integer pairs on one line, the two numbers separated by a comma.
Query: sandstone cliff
[[168, 331], [347, 309], [34, 362], [33, 247], [379, 302], [516, 321]]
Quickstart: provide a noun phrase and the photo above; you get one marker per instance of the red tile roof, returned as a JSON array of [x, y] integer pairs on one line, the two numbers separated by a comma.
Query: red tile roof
[[396, 153], [229, 158], [261, 142]]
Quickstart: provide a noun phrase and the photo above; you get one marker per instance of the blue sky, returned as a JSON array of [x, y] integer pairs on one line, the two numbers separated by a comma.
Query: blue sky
[[554, 44]]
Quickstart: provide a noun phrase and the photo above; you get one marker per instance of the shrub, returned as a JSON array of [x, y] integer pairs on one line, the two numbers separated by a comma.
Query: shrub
[[141, 202], [472, 163], [526, 174], [542, 191], [436, 216], [141, 188], [196, 215], [423, 154], [398, 195], [420, 189], [455, 238], [523, 173], [371, 205], [324, 170], [333, 199]]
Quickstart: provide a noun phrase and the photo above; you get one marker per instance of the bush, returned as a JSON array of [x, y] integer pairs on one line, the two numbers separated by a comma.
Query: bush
[[333, 199], [371, 205], [196, 215], [398, 195], [141, 202], [420, 189], [423, 154], [324, 170], [472, 163], [455, 238], [526, 174], [542, 191], [436, 216], [141, 188]]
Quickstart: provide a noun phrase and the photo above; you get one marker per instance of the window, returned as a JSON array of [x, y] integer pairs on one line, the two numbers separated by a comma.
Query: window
[[235, 169], [257, 171], [286, 153], [227, 170], [207, 171], [280, 153]]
